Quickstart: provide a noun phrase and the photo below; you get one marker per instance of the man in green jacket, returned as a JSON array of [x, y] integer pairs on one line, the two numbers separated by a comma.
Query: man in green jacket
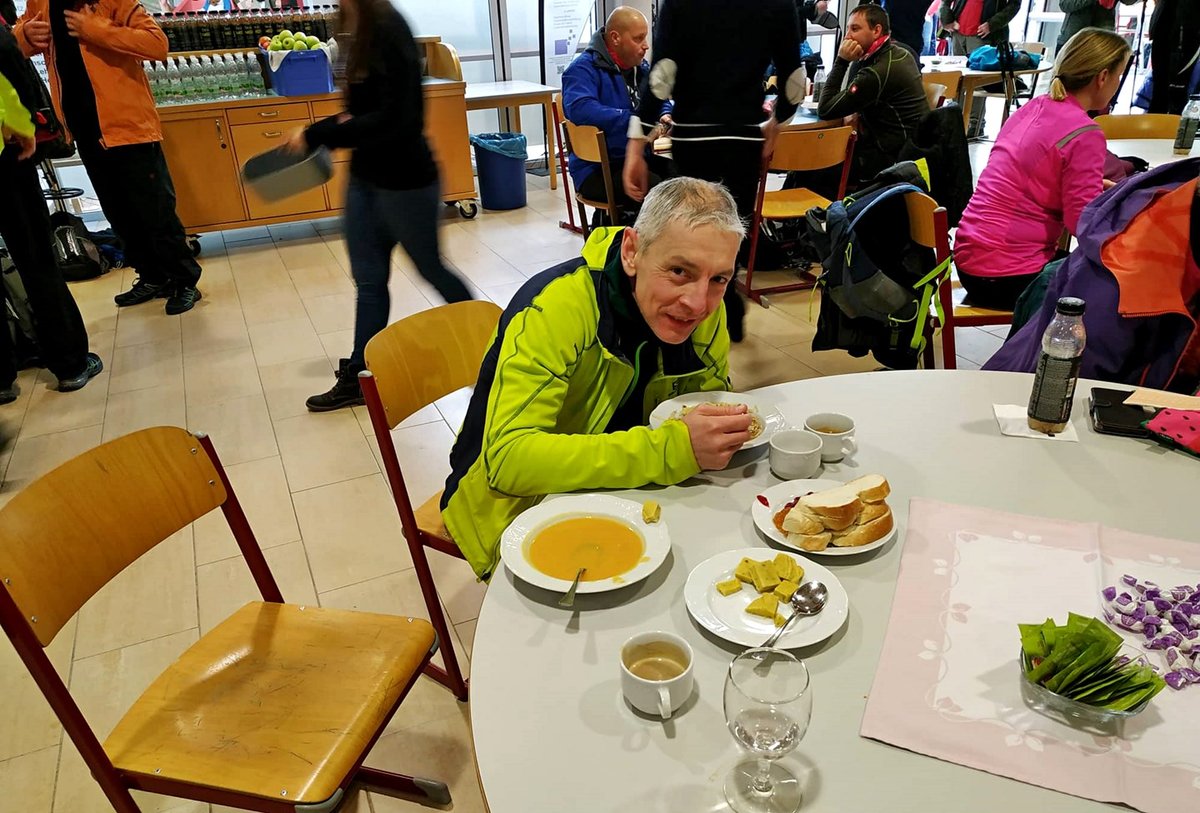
[[582, 355]]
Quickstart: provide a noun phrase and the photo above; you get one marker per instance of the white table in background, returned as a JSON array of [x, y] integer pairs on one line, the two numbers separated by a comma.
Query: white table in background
[[552, 731], [1155, 151], [512, 95]]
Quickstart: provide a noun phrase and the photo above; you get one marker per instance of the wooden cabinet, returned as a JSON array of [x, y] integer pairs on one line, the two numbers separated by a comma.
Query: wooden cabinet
[[335, 190], [254, 139], [445, 118], [200, 153]]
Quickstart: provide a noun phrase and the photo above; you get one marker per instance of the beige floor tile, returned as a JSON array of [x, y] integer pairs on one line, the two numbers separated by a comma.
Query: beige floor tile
[[338, 345], [144, 323], [754, 363], [976, 344], [152, 598], [270, 303], [351, 531], [240, 428], [503, 294], [439, 750], [34, 456], [424, 454], [461, 592], [424, 415], [453, 407], [283, 341], [804, 306], [142, 366], [258, 265], [262, 491], [227, 585], [321, 280], [130, 411], [53, 411], [396, 594], [466, 634], [27, 723], [287, 385], [104, 687], [479, 263], [308, 251], [777, 328], [321, 449], [28, 782], [331, 312], [211, 378], [831, 362], [967, 364], [206, 331]]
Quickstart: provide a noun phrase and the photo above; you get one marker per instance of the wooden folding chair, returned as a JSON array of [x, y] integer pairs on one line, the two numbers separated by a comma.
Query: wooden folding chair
[[273, 710], [929, 227], [588, 143], [443, 62], [934, 95], [410, 364], [1146, 125], [796, 150], [951, 81]]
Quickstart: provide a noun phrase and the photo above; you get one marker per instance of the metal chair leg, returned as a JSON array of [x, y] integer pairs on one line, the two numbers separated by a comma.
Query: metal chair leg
[[399, 785]]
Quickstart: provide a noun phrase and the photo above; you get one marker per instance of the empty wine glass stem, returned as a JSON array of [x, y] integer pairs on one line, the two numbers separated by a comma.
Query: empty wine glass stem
[[762, 781]]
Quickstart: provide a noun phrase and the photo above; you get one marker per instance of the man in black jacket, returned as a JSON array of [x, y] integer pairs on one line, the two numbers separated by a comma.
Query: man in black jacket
[[25, 228], [885, 92], [710, 56], [973, 23], [1175, 36]]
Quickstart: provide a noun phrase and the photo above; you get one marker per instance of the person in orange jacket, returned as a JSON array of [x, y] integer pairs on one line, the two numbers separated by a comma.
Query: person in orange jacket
[[94, 53]]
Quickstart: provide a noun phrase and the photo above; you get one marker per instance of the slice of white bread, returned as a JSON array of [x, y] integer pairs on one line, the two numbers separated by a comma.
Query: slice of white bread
[[866, 533], [811, 541], [870, 488], [872, 511], [838, 507], [802, 520]]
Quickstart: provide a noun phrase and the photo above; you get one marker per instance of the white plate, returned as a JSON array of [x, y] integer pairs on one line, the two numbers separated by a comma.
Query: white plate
[[516, 538], [726, 617], [772, 418], [780, 495]]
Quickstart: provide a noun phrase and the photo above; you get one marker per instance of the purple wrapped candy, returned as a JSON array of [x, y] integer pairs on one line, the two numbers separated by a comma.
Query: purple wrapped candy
[[1109, 593], [1186, 646], [1130, 623], [1129, 580], [1176, 680], [1162, 605], [1153, 592], [1109, 616], [1166, 640], [1174, 657], [1187, 608], [1191, 674], [1140, 613], [1180, 593], [1124, 603]]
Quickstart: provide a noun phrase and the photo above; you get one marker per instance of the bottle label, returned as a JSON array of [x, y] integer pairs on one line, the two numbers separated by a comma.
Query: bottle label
[[1185, 137], [1054, 389]]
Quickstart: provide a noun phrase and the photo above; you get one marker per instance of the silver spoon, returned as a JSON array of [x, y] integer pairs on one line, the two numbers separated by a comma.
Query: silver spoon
[[569, 599], [809, 599]]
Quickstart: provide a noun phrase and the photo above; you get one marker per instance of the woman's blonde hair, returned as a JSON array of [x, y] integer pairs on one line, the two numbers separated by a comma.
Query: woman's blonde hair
[[1083, 58]]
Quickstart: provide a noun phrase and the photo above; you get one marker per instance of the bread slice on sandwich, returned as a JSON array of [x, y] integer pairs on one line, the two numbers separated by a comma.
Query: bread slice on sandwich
[[870, 488], [837, 508], [865, 533]]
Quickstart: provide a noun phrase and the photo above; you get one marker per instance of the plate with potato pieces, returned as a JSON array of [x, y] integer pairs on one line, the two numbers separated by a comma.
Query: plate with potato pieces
[[738, 595]]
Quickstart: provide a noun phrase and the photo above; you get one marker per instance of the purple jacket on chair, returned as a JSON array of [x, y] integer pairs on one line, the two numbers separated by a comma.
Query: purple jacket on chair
[[1132, 272]]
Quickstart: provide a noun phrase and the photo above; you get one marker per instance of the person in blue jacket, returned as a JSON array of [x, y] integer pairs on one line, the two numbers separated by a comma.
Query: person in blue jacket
[[602, 87]]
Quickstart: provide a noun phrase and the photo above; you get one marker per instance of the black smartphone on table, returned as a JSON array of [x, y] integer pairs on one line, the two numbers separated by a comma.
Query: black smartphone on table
[[1112, 416]]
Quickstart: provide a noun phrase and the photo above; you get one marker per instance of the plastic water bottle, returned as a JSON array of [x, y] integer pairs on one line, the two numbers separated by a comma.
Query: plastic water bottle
[[208, 73], [818, 84], [230, 86], [148, 68], [1189, 122], [174, 81], [1058, 369]]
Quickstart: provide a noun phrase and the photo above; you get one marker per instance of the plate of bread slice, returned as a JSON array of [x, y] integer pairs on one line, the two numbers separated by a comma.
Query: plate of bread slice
[[827, 517], [742, 596]]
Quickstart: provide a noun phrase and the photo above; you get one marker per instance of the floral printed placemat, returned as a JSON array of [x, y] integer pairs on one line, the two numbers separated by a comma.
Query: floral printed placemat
[[947, 684]]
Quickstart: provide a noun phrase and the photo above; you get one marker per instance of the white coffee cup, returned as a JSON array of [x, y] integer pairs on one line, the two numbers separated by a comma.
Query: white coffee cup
[[656, 672], [795, 454], [836, 433]]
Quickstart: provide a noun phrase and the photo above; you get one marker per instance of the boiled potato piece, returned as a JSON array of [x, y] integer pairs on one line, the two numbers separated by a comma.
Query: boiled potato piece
[[764, 578], [785, 589], [766, 606], [744, 572], [728, 588], [651, 512]]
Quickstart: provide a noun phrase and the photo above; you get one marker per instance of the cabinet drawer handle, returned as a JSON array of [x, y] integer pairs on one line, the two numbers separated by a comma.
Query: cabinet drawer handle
[[269, 115], [272, 134]]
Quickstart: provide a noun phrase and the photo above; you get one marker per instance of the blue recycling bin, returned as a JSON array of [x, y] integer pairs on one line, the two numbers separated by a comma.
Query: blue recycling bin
[[500, 161]]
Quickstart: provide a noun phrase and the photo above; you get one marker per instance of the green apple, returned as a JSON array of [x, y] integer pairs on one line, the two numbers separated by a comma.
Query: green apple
[[313, 42], [287, 43], [299, 45], [286, 33], [300, 35], [275, 45]]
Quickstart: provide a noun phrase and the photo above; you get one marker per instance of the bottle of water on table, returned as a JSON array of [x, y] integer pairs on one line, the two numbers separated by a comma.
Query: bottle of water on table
[[1189, 122], [1058, 369]]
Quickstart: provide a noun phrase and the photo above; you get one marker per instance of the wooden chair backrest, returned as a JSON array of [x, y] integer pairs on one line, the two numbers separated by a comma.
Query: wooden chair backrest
[[587, 142], [950, 80], [429, 355], [443, 62], [1146, 125], [1031, 47], [812, 149], [71, 531], [927, 223], [934, 94], [558, 105]]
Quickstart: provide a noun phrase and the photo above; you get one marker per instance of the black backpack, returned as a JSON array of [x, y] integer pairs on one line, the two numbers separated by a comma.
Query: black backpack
[[75, 252]]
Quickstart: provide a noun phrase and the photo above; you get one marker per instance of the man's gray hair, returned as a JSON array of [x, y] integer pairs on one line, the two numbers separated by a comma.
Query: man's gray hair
[[691, 202]]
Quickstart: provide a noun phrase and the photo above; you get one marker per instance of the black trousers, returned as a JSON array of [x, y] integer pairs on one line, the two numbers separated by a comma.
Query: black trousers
[[25, 227], [1000, 293], [137, 196], [737, 165]]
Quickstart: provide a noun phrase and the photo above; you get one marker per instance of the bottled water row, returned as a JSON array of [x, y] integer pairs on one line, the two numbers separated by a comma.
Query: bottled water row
[[204, 78]]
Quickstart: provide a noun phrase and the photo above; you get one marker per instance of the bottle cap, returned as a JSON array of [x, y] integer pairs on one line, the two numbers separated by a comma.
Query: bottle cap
[[1071, 306]]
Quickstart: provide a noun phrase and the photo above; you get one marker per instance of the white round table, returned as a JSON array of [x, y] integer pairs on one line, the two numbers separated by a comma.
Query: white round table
[[1154, 151], [552, 731]]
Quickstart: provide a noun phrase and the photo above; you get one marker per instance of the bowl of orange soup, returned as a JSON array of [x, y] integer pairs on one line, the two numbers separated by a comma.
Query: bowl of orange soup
[[548, 543]]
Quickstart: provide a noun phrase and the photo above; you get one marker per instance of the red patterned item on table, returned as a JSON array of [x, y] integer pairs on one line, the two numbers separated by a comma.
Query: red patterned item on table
[[1179, 426]]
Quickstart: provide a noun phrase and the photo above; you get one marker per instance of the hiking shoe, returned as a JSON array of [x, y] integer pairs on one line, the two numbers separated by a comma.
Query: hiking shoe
[[91, 370], [9, 393], [183, 299], [345, 392], [142, 291]]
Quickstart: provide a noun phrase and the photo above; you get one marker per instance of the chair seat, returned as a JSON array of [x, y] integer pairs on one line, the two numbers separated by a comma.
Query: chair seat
[[429, 519], [963, 310], [786, 204], [276, 698]]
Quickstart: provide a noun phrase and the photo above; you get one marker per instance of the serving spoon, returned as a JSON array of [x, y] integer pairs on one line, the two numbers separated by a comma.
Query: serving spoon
[[809, 599]]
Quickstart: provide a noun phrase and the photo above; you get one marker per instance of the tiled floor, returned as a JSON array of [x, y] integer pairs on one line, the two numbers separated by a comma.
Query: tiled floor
[[276, 315]]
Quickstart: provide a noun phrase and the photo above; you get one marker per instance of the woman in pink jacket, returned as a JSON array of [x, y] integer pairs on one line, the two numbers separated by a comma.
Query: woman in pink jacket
[[1046, 166]]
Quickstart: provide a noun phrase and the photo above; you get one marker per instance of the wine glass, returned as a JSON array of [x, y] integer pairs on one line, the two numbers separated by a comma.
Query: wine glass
[[768, 704]]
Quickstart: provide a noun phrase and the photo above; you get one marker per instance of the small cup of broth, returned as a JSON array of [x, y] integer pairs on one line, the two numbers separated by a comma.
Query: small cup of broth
[[656, 672], [836, 432]]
